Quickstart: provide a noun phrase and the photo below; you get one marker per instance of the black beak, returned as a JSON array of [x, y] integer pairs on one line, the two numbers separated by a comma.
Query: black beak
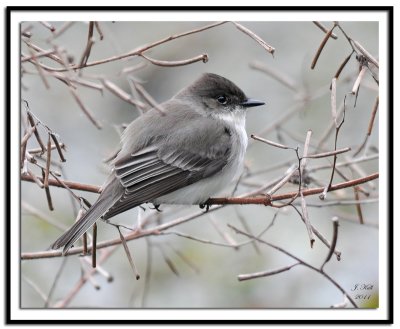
[[249, 102]]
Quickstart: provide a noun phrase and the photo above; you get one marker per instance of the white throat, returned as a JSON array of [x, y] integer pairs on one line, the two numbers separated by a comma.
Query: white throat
[[235, 118]]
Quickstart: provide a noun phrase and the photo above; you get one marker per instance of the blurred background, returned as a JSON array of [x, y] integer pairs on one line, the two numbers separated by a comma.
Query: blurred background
[[177, 272]]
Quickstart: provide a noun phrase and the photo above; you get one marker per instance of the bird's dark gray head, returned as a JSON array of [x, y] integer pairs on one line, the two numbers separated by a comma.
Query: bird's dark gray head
[[215, 92]]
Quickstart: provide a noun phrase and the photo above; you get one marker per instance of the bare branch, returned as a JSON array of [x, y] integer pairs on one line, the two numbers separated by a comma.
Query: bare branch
[[44, 53], [358, 205], [307, 219], [298, 260], [94, 246], [365, 53], [128, 254], [48, 26], [322, 45], [200, 58], [60, 31], [327, 154], [89, 45], [58, 146], [277, 75], [333, 102], [324, 29], [85, 110], [98, 29], [271, 143], [370, 126], [117, 91], [139, 51], [72, 185], [358, 81], [335, 222], [243, 277], [342, 66], [255, 37]]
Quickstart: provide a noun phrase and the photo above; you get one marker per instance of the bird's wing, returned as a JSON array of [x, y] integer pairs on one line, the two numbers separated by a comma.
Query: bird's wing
[[170, 165]]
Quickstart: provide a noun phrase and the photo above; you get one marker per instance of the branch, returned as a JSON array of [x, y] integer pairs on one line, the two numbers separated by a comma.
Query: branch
[[267, 200], [299, 262], [71, 185], [139, 51], [264, 200], [203, 58]]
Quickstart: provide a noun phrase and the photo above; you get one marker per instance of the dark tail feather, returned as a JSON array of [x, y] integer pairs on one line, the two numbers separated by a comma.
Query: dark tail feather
[[99, 208]]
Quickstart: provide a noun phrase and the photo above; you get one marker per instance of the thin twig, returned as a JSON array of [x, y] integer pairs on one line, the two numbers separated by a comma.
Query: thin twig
[[128, 254], [42, 216], [65, 302], [48, 161], [322, 45], [41, 50], [333, 102], [200, 58], [341, 67], [277, 75], [58, 146], [357, 83], [35, 287], [255, 37], [44, 53], [39, 68], [335, 222], [94, 246], [244, 277], [136, 52], [327, 154], [47, 189], [72, 185], [324, 29], [338, 126], [358, 205], [370, 127], [60, 31], [365, 53], [275, 144], [26, 137], [117, 91], [168, 261], [89, 45], [85, 110], [307, 219], [298, 260], [33, 124], [149, 99], [34, 178], [98, 29], [48, 26], [303, 161]]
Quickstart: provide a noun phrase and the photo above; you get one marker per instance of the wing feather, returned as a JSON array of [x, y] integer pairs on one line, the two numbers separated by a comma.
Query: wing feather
[[159, 174]]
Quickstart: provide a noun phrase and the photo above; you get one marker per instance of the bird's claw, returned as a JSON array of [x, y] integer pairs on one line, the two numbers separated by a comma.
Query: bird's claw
[[205, 205], [157, 207]]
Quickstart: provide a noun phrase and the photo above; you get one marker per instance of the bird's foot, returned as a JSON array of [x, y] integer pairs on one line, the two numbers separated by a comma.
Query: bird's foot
[[205, 205], [156, 207]]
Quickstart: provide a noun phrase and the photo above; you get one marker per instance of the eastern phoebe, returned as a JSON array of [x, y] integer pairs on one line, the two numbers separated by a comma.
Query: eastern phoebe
[[181, 156]]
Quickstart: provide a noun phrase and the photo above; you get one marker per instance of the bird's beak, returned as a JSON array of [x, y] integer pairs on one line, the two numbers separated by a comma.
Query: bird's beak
[[249, 102]]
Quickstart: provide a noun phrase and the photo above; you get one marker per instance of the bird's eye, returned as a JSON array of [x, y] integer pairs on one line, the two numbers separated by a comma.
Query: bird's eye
[[222, 99]]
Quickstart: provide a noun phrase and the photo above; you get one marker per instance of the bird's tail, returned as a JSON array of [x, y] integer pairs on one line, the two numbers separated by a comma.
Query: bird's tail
[[97, 210]]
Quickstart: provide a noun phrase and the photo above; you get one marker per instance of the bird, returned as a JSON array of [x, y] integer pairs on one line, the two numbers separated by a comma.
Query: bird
[[181, 152]]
